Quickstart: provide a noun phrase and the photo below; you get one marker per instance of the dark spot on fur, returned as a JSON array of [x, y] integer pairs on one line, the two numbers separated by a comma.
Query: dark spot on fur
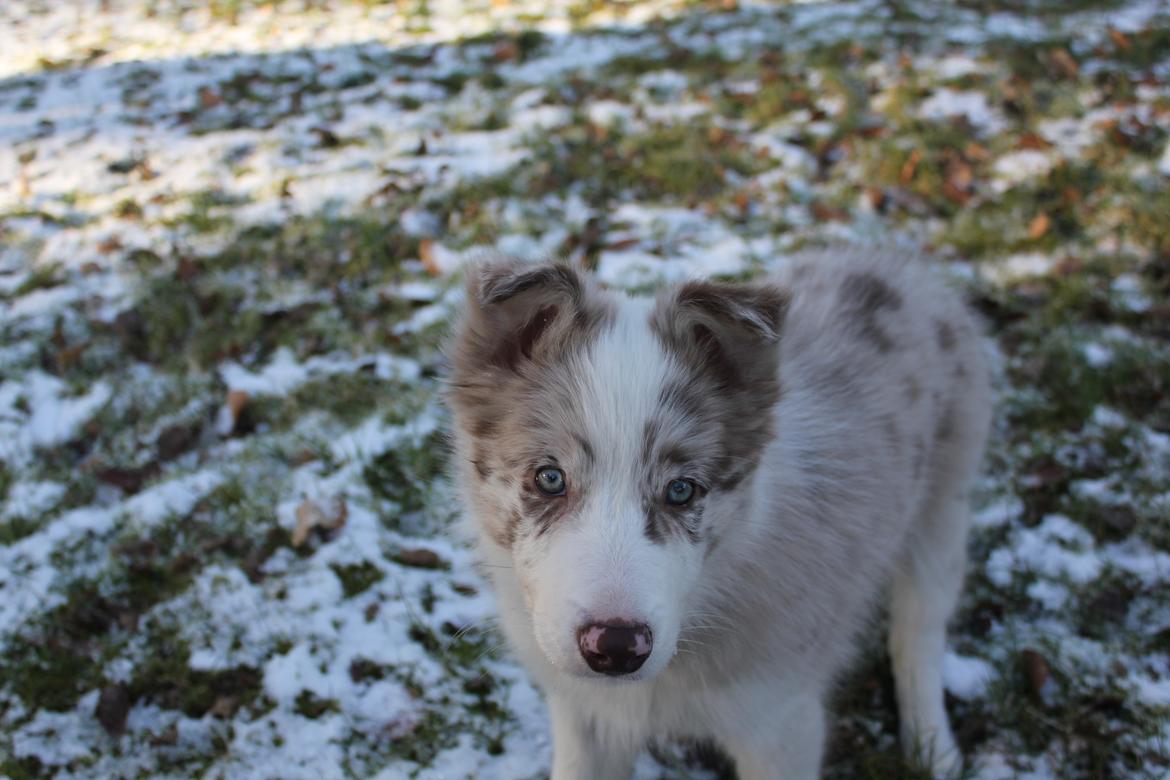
[[655, 529], [661, 520], [674, 455], [867, 293], [733, 479], [586, 448], [919, 457], [542, 510], [484, 428], [682, 398], [864, 296], [913, 389], [481, 468], [946, 336], [947, 424], [506, 536], [535, 328]]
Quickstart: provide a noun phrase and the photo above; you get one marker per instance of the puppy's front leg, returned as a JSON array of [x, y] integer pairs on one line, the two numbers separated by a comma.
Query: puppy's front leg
[[579, 749], [785, 744]]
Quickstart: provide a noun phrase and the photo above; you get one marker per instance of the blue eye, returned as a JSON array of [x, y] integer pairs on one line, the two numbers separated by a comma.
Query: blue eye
[[680, 491], [551, 481]]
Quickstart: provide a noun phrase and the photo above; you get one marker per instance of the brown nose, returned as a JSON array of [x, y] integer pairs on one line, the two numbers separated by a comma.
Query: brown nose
[[615, 649]]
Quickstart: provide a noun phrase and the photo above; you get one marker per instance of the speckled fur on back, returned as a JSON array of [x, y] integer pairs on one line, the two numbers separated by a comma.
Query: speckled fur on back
[[830, 420]]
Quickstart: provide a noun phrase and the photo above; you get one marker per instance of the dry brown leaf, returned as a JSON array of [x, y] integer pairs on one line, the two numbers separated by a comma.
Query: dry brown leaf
[[743, 201], [108, 245], [309, 516], [420, 558], [1036, 669], [977, 152], [1064, 64], [961, 174], [426, 253], [622, 244], [209, 98], [112, 708], [506, 52], [1032, 140], [910, 167], [1039, 226], [224, 707], [1120, 39], [69, 357], [236, 400], [828, 213], [229, 413], [312, 517], [955, 194]]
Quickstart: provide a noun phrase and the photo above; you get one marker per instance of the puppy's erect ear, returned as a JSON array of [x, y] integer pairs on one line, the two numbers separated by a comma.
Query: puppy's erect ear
[[517, 314], [728, 332]]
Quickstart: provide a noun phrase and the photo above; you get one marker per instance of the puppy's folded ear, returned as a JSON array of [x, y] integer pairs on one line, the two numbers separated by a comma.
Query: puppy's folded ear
[[517, 314], [726, 332]]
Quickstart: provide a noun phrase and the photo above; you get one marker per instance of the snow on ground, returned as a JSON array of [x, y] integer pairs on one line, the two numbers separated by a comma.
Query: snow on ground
[[230, 238]]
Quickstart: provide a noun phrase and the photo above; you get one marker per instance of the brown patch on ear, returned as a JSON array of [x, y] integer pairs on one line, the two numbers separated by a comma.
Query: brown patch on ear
[[513, 308], [519, 319], [726, 337], [723, 329]]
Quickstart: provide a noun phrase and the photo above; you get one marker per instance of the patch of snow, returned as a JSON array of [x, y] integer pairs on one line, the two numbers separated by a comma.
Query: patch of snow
[[1153, 691], [1097, 355], [1057, 548], [966, 677], [946, 103], [52, 417], [1109, 418], [1018, 266], [1018, 167], [998, 513], [608, 113], [284, 373], [1128, 287], [32, 498]]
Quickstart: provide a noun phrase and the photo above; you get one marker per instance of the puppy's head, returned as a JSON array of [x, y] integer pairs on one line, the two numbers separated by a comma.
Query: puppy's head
[[606, 445]]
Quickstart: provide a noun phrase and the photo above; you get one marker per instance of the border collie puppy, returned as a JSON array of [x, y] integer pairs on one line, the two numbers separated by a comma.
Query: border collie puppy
[[690, 505]]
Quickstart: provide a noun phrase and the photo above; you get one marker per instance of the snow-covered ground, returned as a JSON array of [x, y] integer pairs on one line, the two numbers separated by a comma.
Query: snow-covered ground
[[230, 239]]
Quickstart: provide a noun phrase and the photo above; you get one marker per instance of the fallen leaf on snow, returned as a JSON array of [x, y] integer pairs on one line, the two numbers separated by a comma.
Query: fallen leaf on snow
[[1039, 226], [229, 413], [420, 558], [311, 517]]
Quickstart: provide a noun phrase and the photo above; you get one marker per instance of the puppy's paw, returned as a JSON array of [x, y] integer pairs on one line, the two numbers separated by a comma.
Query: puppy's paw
[[934, 749]]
